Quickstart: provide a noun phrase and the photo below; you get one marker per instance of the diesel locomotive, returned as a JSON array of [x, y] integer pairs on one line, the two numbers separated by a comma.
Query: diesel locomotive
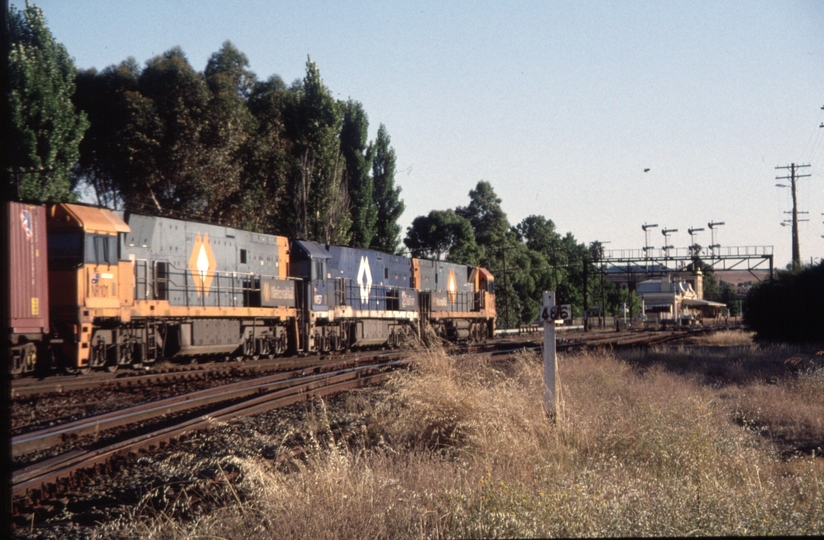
[[90, 289]]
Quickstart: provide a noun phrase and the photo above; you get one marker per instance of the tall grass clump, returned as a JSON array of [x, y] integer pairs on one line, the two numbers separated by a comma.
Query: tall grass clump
[[726, 338], [461, 447]]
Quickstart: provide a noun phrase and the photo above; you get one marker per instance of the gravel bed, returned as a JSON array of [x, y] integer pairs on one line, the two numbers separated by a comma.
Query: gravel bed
[[189, 476]]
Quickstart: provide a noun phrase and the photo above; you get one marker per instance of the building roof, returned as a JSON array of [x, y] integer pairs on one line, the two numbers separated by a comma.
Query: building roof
[[696, 302]]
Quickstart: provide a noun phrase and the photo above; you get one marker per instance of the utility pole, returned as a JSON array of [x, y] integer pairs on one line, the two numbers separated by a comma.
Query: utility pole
[[793, 177], [603, 297]]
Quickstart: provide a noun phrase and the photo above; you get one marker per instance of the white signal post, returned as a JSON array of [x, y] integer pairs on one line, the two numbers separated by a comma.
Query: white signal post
[[548, 314]]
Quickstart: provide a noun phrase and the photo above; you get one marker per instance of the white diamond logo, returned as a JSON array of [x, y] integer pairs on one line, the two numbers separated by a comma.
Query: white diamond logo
[[364, 280]]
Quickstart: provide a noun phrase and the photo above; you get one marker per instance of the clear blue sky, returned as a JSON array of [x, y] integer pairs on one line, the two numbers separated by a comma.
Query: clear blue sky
[[559, 105]]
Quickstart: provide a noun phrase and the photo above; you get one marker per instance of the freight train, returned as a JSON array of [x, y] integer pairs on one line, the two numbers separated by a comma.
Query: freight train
[[91, 290]]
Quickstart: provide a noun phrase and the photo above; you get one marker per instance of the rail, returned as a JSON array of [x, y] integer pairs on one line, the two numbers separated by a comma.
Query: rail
[[29, 483]]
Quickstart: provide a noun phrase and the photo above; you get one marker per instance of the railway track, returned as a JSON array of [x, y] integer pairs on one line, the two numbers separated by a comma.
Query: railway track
[[38, 483], [169, 373], [47, 479]]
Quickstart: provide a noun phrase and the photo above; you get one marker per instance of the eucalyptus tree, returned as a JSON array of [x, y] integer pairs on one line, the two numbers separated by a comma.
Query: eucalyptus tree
[[45, 128], [166, 158], [443, 235], [521, 273], [270, 166], [486, 215], [227, 133], [386, 195], [102, 96], [539, 234]]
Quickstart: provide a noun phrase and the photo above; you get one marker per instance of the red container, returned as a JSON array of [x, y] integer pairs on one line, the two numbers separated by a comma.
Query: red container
[[24, 253]]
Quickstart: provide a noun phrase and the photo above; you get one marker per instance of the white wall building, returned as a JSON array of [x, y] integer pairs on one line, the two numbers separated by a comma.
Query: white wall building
[[675, 299]]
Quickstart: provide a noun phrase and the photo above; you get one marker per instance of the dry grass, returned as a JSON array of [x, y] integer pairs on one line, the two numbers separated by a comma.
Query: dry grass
[[462, 448], [726, 338]]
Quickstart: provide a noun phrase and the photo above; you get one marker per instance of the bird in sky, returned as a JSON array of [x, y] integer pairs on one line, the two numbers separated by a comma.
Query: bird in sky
[[646, 170]]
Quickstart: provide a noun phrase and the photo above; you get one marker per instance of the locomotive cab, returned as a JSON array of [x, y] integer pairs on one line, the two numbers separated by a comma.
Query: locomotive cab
[[86, 280]]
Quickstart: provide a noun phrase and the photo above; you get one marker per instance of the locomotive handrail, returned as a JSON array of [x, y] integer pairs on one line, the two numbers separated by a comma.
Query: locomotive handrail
[[240, 283], [462, 302], [378, 294]]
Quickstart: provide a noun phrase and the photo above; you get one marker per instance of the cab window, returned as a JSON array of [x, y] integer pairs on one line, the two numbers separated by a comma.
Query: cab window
[[101, 249], [318, 270]]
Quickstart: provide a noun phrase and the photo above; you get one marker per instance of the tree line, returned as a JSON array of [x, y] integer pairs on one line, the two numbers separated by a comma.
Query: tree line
[[219, 145], [526, 258], [226, 147]]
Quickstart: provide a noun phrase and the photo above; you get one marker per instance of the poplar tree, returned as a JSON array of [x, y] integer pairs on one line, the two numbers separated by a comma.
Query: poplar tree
[[387, 197], [358, 155], [46, 129], [319, 196]]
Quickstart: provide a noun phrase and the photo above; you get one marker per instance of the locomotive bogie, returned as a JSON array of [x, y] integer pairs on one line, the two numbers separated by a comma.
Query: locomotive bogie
[[23, 358], [264, 338]]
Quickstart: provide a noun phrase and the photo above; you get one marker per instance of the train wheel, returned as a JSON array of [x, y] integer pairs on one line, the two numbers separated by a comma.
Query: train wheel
[[126, 355], [281, 345], [265, 347], [249, 350], [63, 365], [97, 356]]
